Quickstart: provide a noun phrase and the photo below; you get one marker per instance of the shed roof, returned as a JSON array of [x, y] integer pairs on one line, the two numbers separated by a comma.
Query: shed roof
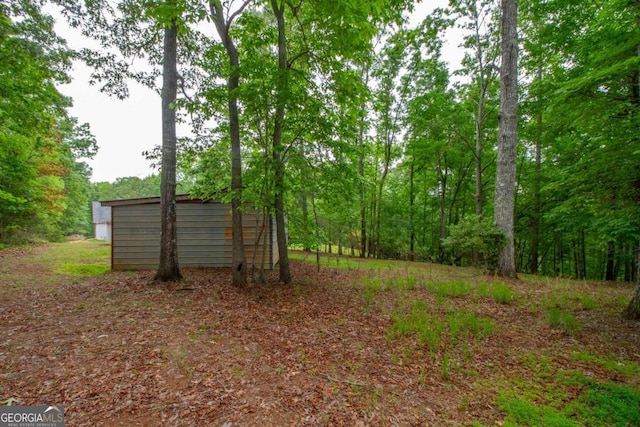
[[180, 198]]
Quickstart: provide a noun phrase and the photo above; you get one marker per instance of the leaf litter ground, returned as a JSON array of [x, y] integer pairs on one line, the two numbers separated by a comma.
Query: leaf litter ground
[[121, 350]]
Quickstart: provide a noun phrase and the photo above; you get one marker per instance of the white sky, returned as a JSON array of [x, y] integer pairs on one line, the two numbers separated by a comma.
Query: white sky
[[126, 128]]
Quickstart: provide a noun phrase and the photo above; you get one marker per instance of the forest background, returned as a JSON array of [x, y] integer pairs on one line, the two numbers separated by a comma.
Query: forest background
[[384, 152]]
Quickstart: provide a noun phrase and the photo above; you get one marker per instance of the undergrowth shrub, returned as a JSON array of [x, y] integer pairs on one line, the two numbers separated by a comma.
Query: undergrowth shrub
[[475, 235]]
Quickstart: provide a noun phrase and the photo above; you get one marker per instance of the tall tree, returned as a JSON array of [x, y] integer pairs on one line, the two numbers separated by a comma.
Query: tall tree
[[129, 30], [389, 103], [479, 65], [507, 138], [281, 97], [223, 25], [168, 268]]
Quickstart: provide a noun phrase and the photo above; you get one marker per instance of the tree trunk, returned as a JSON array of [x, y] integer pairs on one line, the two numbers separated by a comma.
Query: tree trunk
[[238, 257], [507, 138], [632, 312], [611, 252], [411, 211], [536, 214], [383, 177], [278, 160], [305, 220], [442, 195], [168, 268], [362, 188], [479, 119], [363, 207]]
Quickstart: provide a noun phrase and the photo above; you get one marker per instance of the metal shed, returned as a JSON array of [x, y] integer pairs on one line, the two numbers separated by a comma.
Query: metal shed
[[204, 234]]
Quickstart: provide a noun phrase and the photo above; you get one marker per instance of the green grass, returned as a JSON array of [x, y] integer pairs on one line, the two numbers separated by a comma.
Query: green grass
[[546, 394], [452, 289], [335, 261], [418, 322], [80, 251], [430, 329], [54, 263], [83, 270], [563, 320], [597, 405], [501, 293], [370, 286], [83, 258], [463, 323], [614, 364]]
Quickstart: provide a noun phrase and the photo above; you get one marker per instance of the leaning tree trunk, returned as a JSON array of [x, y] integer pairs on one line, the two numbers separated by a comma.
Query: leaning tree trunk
[[278, 160], [507, 138], [169, 268]]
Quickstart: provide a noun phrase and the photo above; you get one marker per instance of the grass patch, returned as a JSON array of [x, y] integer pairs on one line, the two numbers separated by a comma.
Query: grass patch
[[80, 251], [467, 323], [587, 302], [614, 364], [430, 329], [563, 320], [608, 404], [597, 405], [369, 288], [334, 261], [547, 395], [420, 323], [501, 293], [453, 289], [83, 270]]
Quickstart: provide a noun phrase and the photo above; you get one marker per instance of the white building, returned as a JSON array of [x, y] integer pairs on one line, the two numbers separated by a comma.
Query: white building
[[101, 218]]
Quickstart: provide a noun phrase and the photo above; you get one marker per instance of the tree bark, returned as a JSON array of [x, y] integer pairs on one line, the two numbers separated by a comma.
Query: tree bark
[[168, 268], [632, 312], [305, 220], [507, 138], [442, 195], [278, 160], [611, 251], [383, 177], [537, 213], [362, 187], [411, 211], [238, 257], [480, 113], [362, 190]]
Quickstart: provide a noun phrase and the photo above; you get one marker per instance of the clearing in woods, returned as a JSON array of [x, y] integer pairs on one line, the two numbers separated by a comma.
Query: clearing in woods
[[358, 343]]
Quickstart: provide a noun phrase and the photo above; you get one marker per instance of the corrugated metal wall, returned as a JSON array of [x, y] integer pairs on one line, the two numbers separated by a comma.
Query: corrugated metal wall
[[204, 236]]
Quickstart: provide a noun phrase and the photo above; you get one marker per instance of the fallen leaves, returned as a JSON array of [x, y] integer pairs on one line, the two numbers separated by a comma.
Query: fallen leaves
[[121, 349]]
